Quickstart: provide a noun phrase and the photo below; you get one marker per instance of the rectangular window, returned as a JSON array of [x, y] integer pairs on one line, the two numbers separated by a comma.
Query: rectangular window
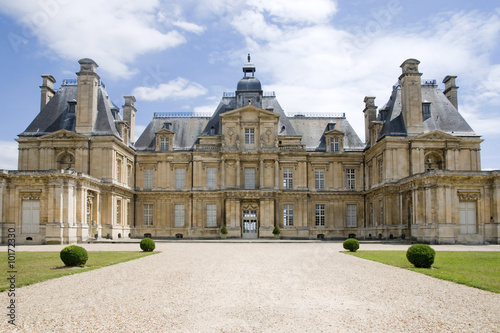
[[287, 215], [118, 212], [211, 178], [320, 214], [30, 223], [319, 179], [334, 144], [350, 175], [148, 214], [211, 215], [179, 215], [148, 178], [249, 136], [287, 177], [249, 179], [351, 215], [129, 175], [118, 170], [180, 174], [382, 217], [468, 217], [370, 176], [163, 144], [380, 170], [426, 111]]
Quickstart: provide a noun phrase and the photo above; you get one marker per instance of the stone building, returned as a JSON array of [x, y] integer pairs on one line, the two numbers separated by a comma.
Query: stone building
[[251, 167]]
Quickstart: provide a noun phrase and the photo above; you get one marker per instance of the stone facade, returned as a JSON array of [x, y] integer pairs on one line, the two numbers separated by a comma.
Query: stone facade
[[251, 167]]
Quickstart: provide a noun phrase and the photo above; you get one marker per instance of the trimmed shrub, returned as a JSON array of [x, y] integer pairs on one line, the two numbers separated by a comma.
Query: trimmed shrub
[[351, 244], [147, 244], [421, 255], [276, 231], [223, 230], [74, 255]]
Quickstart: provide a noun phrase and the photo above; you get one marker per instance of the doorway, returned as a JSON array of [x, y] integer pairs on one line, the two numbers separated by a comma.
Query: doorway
[[250, 223]]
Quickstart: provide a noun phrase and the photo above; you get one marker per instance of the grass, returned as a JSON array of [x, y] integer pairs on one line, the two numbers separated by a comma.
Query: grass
[[474, 269], [34, 267]]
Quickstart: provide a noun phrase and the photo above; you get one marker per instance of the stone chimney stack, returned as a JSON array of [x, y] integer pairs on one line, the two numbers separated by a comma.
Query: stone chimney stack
[[86, 105], [450, 90], [129, 114], [370, 112], [411, 97], [47, 89]]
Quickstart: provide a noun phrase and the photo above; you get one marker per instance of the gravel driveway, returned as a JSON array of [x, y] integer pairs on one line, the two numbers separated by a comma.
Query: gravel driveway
[[251, 287]]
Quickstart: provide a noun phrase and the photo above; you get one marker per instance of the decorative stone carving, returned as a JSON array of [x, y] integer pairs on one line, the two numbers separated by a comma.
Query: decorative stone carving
[[30, 196], [469, 196]]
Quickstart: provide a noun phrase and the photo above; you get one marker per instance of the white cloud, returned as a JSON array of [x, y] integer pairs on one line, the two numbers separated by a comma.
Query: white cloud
[[191, 27], [8, 151], [113, 32], [175, 89], [318, 68]]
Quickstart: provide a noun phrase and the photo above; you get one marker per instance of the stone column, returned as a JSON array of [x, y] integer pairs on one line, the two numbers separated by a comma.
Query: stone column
[[238, 176], [223, 174], [261, 173], [276, 174]]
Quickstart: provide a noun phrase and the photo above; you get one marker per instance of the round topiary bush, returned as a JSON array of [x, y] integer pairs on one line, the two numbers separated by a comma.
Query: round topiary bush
[[276, 231], [74, 255], [147, 244], [421, 255], [351, 244]]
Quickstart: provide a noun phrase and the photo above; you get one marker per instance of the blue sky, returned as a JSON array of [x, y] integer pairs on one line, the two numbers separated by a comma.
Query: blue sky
[[319, 56]]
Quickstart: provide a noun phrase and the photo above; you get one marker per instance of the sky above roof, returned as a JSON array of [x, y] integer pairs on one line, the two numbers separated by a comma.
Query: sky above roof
[[319, 56]]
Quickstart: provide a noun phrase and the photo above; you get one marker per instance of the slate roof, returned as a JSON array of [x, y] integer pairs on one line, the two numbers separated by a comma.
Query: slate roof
[[186, 129], [444, 116], [313, 129], [59, 113]]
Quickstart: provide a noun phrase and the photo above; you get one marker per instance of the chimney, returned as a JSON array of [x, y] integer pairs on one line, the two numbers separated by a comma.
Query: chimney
[[411, 97], [450, 90], [370, 112], [86, 106], [129, 115], [47, 89]]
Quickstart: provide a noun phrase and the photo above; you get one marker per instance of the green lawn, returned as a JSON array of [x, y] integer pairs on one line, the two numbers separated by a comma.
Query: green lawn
[[475, 269], [34, 267]]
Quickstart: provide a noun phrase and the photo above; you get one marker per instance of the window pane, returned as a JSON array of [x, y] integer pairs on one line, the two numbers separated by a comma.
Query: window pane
[[287, 177], [334, 144], [164, 144], [211, 215], [179, 215], [148, 179], [350, 179], [179, 178], [287, 215], [351, 215], [148, 214], [249, 178], [319, 179], [320, 214], [211, 178], [249, 136]]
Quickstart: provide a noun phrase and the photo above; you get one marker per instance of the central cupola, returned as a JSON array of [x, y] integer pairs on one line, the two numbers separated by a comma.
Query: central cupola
[[249, 89]]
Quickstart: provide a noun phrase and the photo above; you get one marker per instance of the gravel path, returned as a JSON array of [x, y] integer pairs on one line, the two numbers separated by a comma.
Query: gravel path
[[251, 287]]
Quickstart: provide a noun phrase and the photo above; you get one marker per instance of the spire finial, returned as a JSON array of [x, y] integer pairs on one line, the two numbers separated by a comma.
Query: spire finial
[[248, 57]]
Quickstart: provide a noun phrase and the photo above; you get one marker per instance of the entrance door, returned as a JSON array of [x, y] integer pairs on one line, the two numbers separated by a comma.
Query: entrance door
[[30, 223], [249, 224], [468, 217]]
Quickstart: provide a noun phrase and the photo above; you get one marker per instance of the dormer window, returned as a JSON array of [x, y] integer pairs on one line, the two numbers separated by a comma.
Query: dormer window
[[426, 110], [164, 142], [334, 145], [167, 125], [212, 130]]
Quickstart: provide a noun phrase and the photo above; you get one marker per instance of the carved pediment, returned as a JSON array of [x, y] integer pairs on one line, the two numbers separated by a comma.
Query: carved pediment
[[164, 131], [63, 135], [436, 135], [249, 108], [334, 132]]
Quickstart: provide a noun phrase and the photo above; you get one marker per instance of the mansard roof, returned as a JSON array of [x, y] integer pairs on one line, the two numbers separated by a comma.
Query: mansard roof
[[186, 128], [444, 116], [60, 113], [313, 129]]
